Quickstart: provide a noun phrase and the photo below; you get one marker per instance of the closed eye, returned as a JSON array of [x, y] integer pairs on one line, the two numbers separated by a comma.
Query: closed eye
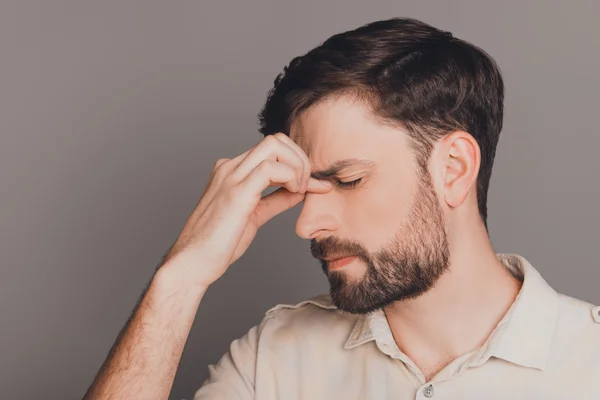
[[347, 184]]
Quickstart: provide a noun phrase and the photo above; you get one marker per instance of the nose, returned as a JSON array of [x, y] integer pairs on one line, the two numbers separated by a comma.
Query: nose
[[319, 215]]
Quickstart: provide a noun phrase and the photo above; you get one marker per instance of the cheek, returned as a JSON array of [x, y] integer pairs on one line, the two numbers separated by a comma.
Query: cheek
[[377, 212]]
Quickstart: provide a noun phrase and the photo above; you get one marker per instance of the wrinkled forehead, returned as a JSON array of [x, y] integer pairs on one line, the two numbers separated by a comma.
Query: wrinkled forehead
[[343, 127], [333, 127]]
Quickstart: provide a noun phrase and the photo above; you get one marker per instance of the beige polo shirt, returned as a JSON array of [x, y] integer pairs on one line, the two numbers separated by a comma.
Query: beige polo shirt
[[547, 346]]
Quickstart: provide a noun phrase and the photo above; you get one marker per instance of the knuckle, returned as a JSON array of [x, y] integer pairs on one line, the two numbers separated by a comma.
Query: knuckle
[[271, 141], [220, 162], [218, 165]]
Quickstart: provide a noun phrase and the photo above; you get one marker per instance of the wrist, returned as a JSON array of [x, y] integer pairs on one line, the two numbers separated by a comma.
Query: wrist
[[174, 276]]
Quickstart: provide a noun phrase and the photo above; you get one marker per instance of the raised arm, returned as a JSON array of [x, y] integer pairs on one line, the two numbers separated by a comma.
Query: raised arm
[[143, 360]]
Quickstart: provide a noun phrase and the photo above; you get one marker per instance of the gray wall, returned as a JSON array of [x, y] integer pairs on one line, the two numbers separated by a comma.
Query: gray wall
[[112, 113]]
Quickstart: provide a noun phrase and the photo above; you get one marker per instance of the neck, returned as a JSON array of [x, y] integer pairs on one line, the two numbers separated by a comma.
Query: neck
[[458, 314]]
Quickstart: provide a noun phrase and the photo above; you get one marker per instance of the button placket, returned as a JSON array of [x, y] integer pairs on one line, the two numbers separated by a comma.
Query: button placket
[[428, 391]]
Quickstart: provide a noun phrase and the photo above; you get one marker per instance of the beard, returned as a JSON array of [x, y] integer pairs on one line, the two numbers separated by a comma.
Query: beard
[[404, 268]]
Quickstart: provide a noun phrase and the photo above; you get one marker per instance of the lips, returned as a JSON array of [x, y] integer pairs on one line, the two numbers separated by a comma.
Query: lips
[[336, 258], [340, 262]]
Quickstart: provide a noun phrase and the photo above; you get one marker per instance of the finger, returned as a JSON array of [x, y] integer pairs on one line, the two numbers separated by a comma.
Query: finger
[[273, 149], [275, 203], [238, 159], [269, 173], [282, 199], [318, 186], [230, 164], [306, 173], [224, 167], [221, 168]]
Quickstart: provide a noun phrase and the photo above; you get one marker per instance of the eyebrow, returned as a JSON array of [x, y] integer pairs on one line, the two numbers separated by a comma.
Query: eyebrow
[[340, 166]]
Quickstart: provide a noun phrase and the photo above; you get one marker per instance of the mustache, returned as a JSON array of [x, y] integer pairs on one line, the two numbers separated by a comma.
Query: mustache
[[332, 247]]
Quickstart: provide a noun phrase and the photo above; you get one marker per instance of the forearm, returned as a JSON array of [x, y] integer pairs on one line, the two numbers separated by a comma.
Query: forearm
[[144, 359]]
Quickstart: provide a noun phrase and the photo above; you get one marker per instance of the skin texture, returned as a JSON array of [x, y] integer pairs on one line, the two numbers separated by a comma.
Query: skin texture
[[144, 358], [416, 251], [423, 253]]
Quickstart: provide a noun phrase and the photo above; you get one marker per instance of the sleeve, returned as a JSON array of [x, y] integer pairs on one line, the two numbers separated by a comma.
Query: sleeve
[[233, 375]]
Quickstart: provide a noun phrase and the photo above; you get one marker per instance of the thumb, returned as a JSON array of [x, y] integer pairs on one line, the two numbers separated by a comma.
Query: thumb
[[275, 203]]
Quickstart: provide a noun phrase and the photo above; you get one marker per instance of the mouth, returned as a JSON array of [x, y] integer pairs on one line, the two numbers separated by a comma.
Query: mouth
[[335, 257], [335, 263]]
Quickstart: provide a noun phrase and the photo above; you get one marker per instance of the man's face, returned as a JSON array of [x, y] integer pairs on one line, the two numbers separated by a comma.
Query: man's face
[[390, 221]]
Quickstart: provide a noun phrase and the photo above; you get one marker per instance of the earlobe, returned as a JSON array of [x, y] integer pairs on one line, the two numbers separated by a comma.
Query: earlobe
[[462, 167]]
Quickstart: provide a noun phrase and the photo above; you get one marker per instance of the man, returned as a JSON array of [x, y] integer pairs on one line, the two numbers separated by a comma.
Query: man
[[387, 134]]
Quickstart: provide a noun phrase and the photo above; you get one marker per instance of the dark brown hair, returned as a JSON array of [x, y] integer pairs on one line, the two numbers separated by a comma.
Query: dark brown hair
[[412, 75]]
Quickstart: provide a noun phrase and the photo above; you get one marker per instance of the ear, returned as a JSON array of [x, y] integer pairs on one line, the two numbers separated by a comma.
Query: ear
[[462, 161]]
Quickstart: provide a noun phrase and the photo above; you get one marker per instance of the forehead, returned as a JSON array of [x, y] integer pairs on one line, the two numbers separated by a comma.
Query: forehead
[[332, 124], [344, 127]]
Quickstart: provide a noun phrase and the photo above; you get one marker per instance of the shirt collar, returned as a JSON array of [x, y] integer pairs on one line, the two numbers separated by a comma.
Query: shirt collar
[[523, 336]]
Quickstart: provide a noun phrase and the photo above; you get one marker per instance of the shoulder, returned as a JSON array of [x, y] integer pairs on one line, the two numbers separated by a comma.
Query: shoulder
[[578, 313], [577, 332], [319, 309], [314, 318], [318, 302]]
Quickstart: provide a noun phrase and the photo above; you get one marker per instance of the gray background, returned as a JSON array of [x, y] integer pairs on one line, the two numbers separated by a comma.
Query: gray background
[[113, 112]]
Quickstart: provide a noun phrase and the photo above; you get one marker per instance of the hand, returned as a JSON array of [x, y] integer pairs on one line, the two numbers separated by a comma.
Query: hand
[[231, 209]]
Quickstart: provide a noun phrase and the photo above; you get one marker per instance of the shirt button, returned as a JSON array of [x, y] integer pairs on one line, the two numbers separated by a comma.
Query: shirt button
[[596, 313], [428, 391]]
